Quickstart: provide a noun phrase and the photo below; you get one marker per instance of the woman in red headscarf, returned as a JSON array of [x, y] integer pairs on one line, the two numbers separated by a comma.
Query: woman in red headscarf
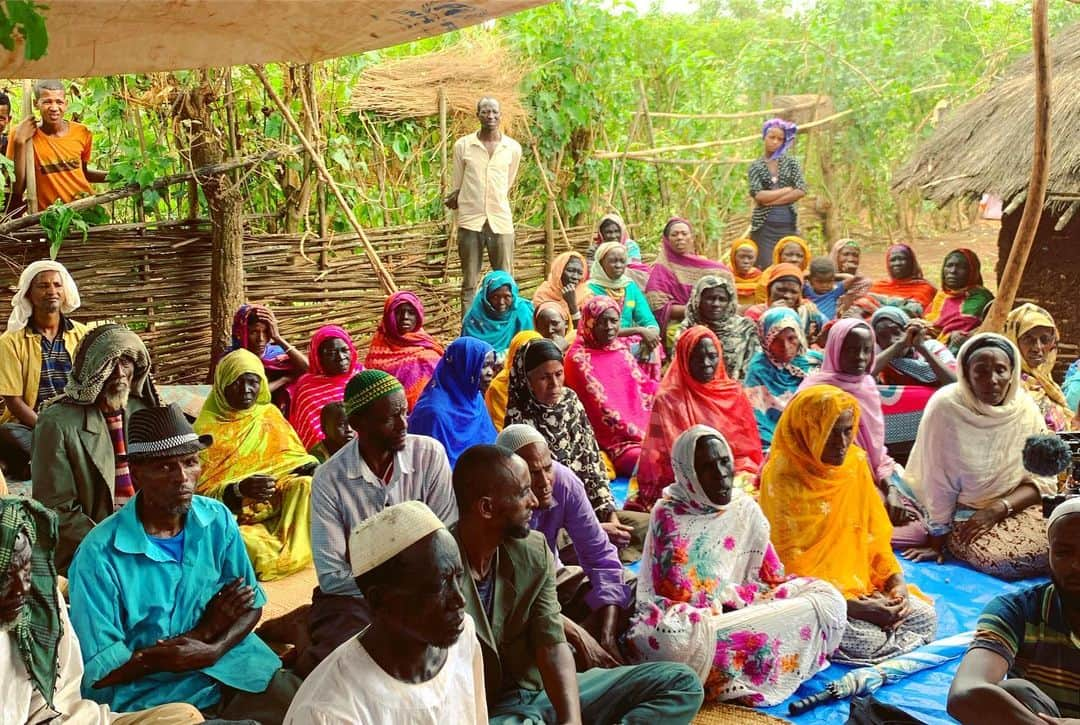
[[402, 348], [696, 389], [333, 361]]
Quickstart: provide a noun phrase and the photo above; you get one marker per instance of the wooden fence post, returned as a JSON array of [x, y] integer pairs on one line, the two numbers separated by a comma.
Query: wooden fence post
[[31, 173], [549, 235], [1013, 271]]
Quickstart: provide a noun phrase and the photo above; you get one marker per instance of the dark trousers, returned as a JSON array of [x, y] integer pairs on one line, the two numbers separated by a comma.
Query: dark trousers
[[267, 707], [16, 444], [471, 246], [1030, 696], [648, 694]]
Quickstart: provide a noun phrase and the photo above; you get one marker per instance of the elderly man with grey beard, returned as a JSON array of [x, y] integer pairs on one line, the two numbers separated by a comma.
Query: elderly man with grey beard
[[79, 465]]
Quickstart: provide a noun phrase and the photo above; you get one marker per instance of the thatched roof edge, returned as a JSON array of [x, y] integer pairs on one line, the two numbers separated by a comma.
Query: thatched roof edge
[[986, 144]]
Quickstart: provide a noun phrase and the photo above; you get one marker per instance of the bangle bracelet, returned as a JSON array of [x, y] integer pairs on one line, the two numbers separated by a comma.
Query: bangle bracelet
[[1008, 506]]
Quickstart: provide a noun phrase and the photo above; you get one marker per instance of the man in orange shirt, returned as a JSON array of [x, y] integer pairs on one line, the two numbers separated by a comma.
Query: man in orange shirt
[[61, 151]]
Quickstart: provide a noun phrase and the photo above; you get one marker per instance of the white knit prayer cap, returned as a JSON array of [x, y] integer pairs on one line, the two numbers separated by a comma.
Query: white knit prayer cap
[[517, 436], [21, 301], [378, 539], [1071, 506]]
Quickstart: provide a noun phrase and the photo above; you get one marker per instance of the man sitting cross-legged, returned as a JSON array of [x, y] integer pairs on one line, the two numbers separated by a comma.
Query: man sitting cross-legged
[[593, 594], [418, 662], [41, 667], [383, 466], [510, 594], [1033, 637], [164, 597]]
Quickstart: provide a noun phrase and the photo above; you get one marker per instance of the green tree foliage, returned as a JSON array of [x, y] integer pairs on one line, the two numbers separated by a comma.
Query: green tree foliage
[[890, 63], [23, 19]]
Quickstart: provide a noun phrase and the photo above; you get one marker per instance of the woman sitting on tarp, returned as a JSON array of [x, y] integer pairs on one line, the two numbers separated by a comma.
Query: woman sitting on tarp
[[695, 390], [905, 286], [333, 361], [849, 359], [789, 250], [636, 323], [676, 269], [776, 370], [402, 347], [612, 228], [967, 470], [499, 390], [616, 392], [784, 287], [961, 302], [498, 312], [712, 592], [713, 303], [828, 522], [905, 352], [1033, 331], [451, 409], [256, 330], [257, 466]]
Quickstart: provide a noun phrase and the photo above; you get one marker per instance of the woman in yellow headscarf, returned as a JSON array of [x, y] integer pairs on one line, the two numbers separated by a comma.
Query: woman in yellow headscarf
[[828, 522], [257, 466], [498, 391], [1032, 329], [741, 259]]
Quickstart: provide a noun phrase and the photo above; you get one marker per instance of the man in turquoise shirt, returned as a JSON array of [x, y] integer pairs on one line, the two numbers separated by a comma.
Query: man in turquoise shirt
[[163, 595]]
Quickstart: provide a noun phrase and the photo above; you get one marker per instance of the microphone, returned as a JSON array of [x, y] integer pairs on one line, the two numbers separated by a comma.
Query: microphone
[[1046, 455]]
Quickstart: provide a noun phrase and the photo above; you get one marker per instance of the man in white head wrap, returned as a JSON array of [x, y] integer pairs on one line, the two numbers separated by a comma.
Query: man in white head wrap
[[419, 660], [1032, 637], [35, 356]]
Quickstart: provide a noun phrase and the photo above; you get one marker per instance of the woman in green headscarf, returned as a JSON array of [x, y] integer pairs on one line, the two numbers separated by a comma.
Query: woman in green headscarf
[[257, 466]]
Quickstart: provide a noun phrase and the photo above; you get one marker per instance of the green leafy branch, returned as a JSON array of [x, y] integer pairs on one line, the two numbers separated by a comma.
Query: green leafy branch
[[23, 19]]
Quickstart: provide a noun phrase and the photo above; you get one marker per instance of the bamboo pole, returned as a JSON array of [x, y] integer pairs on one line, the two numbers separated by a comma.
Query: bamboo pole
[[1013, 271], [28, 153], [646, 153], [730, 116], [549, 235], [643, 100], [550, 191], [386, 280]]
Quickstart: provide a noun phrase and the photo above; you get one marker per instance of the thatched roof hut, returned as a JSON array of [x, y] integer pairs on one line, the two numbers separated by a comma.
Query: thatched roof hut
[[986, 146]]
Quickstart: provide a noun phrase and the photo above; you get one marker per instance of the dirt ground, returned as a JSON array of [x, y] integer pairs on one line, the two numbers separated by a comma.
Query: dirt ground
[[980, 238]]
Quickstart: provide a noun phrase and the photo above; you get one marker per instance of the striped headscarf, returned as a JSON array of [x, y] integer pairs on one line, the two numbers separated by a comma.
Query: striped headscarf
[[37, 628]]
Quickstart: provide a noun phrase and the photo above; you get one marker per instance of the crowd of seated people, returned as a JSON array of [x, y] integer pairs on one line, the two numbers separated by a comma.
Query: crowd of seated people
[[455, 497]]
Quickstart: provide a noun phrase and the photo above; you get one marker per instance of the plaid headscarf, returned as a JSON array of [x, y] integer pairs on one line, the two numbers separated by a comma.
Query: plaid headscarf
[[96, 358], [37, 629]]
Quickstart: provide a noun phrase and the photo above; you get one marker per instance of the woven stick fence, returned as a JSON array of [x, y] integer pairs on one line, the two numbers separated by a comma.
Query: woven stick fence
[[156, 279]]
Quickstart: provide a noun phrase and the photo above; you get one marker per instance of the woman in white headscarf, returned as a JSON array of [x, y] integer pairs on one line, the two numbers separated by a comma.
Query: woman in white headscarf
[[966, 467], [712, 592]]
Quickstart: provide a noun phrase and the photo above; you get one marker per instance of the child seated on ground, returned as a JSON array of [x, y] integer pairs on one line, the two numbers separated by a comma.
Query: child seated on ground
[[825, 286], [335, 426]]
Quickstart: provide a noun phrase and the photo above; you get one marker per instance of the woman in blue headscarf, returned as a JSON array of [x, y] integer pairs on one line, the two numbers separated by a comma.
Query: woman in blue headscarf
[[776, 370], [776, 183], [451, 409], [498, 312]]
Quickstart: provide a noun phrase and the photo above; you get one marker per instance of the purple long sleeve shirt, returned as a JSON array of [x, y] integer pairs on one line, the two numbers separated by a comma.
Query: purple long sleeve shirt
[[599, 558]]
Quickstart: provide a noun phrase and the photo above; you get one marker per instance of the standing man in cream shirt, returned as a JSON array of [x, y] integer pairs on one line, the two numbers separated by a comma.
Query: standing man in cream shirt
[[485, 166]]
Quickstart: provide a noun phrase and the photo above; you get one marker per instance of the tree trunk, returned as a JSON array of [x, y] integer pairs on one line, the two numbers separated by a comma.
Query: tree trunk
[[226, 214]]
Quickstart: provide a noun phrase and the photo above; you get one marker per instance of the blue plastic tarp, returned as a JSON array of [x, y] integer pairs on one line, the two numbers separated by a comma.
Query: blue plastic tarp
[[959, 595]]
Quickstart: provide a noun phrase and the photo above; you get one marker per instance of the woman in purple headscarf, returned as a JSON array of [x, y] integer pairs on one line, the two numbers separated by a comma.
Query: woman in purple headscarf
[[674, 273], [776, 183]]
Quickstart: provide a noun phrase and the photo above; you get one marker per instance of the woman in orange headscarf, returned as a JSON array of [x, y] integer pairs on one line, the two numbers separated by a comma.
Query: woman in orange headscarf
[[565, 286], [828, 523], [741, 260], [789, 250], [905, 282]]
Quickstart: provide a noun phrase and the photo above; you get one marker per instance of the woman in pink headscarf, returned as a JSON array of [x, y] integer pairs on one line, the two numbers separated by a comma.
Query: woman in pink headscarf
[[849, 358], [402, 347], [676, 270], [332, 357]]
